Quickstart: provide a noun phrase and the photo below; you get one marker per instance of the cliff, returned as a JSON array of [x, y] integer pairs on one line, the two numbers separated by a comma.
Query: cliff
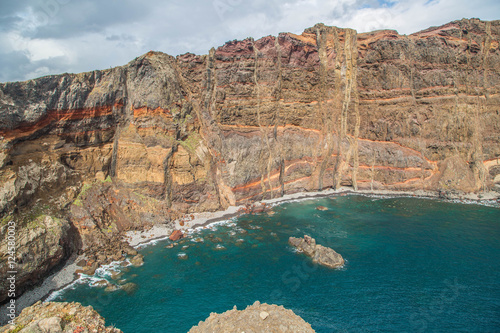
[[59, 317], [160, 137]]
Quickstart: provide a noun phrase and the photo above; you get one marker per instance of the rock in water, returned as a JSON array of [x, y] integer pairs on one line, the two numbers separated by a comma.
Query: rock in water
[[176, 235], [321, 208], [319, 253], [137, 261], [129, 288], [255, 318]]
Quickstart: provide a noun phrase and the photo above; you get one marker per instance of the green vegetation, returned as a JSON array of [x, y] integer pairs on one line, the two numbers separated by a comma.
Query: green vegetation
[[6, 219], [78, 201], [68, 318], [17, 328], [191, 142], [35, 222], [31, 219], [107, 180]]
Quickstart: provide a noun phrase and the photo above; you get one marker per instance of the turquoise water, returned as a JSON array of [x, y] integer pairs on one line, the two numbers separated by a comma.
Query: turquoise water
[[413, 265]]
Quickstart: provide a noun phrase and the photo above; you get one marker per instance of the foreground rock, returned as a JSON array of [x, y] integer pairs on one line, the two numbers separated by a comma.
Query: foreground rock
[[59, 317], [319, 253], [255, 318]]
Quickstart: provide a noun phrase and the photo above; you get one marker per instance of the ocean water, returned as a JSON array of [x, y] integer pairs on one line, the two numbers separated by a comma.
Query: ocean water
[[413, 265]]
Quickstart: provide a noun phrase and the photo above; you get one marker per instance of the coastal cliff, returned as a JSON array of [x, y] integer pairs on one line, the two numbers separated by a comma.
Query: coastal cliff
[[148, 142]]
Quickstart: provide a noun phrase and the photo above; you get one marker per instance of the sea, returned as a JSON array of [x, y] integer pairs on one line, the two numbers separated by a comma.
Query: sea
[[412, 265]]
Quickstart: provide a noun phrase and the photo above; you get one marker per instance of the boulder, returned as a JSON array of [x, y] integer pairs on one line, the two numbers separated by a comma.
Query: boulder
[[129, 250], [50, 325], [82, 263], [129, 288], [137, 261], [319, 253], [176, 235]]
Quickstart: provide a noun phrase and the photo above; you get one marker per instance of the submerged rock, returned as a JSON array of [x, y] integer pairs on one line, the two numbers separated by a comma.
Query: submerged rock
[[111, 287], [137, 261], [255, 318], [319, 253], [321, 208], [100, 283], [129, 288]]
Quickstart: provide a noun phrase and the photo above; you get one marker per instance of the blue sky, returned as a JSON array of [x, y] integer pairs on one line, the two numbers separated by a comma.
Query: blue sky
[[41, 37]]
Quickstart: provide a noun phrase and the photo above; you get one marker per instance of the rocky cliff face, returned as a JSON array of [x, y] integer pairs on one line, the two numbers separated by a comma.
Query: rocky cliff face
[[255, 119], [59, 318]]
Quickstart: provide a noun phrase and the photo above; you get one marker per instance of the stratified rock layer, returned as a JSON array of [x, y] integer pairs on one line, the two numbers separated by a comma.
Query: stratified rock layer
[[162, 137], [59, 317], [254, 319], [319, 253]]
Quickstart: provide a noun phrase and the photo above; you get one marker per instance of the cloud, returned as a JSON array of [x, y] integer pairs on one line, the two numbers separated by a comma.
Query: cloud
[[40, 37]]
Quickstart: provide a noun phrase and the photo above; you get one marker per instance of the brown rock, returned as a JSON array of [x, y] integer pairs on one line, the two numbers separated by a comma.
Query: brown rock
[[137, 261], [176, 235], [255, 318], [129, 250], [51, 317], [90, 269], [129, 287], [319, 253], [82, 263], [321, 208]]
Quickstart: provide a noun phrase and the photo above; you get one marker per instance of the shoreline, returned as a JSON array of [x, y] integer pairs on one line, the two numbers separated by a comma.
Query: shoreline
[[57, 280], [66, 275]]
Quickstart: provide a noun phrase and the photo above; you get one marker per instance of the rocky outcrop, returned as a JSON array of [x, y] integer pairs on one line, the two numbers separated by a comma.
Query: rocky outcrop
[[255, 318], [319, 253], [162, 136], [38, 247], [58, 317], [176, 235]]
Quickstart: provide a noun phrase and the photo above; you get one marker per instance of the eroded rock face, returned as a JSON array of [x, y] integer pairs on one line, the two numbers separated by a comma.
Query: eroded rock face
[[255, 318], [252, 120], [319, 253], [54, 317], [40, 245]]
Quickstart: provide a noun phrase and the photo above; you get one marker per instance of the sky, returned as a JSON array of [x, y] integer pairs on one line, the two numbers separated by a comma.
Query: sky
[[42, 37]]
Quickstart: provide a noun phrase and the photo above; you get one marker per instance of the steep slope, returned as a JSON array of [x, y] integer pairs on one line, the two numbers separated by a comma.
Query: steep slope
[[253, 119]]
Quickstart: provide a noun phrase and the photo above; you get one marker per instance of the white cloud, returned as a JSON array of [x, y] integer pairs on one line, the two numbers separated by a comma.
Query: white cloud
[[39, 38]]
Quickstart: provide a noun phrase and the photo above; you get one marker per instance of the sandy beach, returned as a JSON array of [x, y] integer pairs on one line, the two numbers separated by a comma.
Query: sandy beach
[[66, 275]]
